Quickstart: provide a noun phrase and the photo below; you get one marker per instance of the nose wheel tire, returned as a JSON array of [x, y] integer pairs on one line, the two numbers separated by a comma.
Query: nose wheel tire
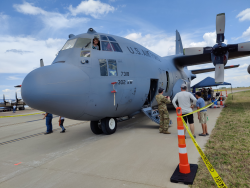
[[109, 125], [96, 127]]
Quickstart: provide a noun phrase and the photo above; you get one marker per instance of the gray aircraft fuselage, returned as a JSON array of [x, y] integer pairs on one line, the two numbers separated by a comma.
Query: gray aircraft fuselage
[[75, 89]]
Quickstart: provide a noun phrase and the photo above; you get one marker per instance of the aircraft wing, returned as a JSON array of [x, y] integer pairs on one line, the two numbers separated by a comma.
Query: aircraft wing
[[189, 60], [199, 71]]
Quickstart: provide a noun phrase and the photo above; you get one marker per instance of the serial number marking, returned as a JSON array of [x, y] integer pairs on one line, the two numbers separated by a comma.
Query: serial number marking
[[124, 73], [121, 82], [124, 82]]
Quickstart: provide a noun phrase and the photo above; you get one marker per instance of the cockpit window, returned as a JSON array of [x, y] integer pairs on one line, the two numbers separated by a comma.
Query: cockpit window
[[103, 37], [83, 43], [103, 67], [116, 47], [96, 44], [112, 67], [69, 44], [106, 46], [85, 54], [111, 39]]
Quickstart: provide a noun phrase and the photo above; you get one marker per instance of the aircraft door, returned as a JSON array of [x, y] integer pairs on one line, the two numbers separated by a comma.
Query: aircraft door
[[152, 91]]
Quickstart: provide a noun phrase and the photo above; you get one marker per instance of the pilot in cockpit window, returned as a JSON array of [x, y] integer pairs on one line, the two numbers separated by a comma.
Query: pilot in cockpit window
[[96, 43]]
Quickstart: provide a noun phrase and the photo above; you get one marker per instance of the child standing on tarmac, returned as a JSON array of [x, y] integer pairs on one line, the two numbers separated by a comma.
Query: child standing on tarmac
[[61, 120], [202, 115]]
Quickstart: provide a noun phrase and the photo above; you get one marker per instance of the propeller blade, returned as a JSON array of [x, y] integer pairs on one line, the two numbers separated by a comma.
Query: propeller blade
[[219, 73], [248, 69], [197, 50], [220, 27], [245, 46], [41, 63]]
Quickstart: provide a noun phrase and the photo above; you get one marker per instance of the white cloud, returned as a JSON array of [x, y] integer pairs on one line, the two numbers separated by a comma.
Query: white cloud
[[244, 15], [18, 51], [52, 20], [92, 8], [209, 40], [161, 44], [246, 34], [244, 65], [3, 22], [6, 90], [13, 78], [28, 8], [24, 63]]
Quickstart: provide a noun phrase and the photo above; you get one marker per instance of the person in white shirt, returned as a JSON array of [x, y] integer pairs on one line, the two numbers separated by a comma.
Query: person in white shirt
[[184, 100], [14, 109], [61, 120]]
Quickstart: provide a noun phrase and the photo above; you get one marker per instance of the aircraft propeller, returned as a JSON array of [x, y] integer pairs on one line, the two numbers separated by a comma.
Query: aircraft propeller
[[220, 51], [248, 69], [17, 100], [4, 100]]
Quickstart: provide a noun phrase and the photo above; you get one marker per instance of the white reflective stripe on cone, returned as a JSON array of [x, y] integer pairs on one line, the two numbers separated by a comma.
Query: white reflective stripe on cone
[[182, 150], [181, 132]]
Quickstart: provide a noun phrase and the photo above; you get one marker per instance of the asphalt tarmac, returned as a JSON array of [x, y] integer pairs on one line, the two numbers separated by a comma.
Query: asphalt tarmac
[[137, 155]]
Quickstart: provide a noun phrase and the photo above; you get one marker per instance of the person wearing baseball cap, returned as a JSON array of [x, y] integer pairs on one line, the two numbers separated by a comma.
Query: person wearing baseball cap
[[184, 100], [163, 111]]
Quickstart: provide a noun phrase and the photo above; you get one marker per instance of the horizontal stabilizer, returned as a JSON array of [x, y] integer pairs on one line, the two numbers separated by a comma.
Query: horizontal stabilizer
[[199, 71]]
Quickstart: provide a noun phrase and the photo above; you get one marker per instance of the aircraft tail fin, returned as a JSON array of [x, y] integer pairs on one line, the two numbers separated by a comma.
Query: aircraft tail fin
[[178, 46]]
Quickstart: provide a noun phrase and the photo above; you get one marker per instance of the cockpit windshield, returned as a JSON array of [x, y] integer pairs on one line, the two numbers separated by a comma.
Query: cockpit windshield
[[78, 43], [69, 44]]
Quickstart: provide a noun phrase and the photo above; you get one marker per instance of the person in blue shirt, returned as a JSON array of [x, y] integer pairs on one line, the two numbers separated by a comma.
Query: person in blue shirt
[[215, 103], [202, 115], [49, 118]]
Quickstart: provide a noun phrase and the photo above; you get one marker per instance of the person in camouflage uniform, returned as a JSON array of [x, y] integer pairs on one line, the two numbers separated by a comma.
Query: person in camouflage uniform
[[163, 111]]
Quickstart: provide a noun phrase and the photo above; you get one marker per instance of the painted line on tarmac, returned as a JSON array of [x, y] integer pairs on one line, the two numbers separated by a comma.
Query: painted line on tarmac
[[24, 122], [34, 135]]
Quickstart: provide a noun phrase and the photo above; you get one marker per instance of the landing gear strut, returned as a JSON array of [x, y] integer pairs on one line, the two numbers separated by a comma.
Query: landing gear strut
[[109, 125]]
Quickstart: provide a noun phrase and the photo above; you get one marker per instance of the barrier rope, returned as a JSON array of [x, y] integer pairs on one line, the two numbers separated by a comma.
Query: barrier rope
[[209, 166]]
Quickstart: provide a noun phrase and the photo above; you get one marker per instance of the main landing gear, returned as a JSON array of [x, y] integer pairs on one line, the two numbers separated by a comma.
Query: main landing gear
[[106, 126]]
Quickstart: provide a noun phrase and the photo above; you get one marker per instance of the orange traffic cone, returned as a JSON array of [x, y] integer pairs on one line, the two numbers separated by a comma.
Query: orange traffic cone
[[184, 172], [221, 103], [221, 93]]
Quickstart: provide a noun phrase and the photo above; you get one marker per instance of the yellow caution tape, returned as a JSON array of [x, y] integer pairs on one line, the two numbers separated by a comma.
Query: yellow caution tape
[[21, 115], [201, 108], [210, 167]]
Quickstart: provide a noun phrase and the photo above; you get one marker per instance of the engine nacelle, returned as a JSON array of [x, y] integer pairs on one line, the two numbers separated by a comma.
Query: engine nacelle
[[219, 59]]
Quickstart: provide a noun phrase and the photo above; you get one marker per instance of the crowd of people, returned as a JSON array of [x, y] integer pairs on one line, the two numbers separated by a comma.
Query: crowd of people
[[187, 102], [207, 93]]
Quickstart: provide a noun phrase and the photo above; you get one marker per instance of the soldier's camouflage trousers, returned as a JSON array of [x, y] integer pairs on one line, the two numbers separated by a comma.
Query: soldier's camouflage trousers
[[164, 120]]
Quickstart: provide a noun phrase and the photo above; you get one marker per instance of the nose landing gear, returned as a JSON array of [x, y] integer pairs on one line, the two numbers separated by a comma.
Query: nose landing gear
[[96, 127], [107, 126]]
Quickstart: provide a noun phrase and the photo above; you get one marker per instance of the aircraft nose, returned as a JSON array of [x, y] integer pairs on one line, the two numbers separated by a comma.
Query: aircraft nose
[[60, 89]]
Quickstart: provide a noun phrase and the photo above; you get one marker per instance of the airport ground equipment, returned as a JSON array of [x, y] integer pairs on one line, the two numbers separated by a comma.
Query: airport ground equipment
[[77, 85], [184, 172]]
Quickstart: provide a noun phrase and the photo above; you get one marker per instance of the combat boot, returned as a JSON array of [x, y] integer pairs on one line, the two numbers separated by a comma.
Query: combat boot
[[166, 132]]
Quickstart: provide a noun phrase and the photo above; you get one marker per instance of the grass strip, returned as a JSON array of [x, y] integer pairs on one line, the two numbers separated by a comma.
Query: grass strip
[[228, 148]]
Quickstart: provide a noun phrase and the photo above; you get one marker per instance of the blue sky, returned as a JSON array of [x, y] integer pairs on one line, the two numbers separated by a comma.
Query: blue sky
[[35, 29]]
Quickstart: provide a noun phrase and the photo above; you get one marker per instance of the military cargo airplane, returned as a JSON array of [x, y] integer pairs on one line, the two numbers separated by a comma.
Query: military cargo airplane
[[119, 78], [8, 104]]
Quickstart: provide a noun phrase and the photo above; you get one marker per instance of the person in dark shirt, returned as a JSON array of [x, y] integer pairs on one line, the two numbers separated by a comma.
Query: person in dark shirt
[[49, 118]]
